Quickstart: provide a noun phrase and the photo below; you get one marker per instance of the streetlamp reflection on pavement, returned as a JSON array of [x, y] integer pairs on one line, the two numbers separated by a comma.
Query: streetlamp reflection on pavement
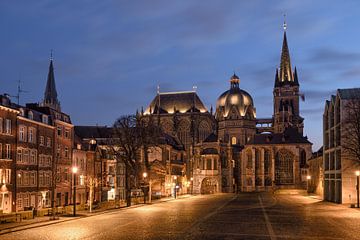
[[357, 173], [308, 178], [74, 170]]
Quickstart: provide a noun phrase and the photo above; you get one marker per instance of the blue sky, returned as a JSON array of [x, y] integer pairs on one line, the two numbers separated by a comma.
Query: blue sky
[[110, 55]]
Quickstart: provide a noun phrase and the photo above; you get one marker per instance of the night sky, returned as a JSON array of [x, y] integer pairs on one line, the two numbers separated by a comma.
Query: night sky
[[109, 56]]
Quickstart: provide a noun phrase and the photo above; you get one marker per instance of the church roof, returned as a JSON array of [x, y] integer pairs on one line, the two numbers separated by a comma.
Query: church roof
[[289, 136], [176, 101], [349, 93]]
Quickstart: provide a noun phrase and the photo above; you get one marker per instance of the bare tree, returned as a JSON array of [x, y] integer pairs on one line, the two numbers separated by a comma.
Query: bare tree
[[131, 134], [351, 129]]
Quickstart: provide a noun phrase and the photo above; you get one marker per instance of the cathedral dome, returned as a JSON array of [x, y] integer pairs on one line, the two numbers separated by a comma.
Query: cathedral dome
[[235, 101]]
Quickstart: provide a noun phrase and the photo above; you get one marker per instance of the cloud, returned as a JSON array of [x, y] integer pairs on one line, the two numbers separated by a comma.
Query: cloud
[[332, 55]]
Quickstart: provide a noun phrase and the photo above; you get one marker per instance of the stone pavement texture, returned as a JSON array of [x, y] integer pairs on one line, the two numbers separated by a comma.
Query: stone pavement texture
[[219, 216]]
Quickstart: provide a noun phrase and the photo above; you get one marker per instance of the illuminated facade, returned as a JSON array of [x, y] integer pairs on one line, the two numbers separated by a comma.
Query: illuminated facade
[[232, 149]]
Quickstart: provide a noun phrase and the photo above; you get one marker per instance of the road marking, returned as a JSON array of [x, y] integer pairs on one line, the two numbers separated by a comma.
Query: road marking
[[268, 224], [191, 229]]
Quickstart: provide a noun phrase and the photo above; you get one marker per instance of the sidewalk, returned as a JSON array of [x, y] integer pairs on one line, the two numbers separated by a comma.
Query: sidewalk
[[44, 221]]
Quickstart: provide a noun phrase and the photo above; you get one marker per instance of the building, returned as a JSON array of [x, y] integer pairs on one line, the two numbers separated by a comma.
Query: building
[[340, 132], [63, 139], [316, 173], [34, 158], [8, 132], [233, 150]]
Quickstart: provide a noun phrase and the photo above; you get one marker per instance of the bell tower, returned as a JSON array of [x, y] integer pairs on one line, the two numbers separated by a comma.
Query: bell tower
[[286, 94]]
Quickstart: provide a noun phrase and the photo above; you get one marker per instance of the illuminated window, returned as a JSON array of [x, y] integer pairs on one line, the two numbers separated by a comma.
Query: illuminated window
[[233, 140]]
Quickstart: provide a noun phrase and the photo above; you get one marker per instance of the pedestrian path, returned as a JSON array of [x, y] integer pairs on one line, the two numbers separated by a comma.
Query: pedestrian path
[[46, 220]]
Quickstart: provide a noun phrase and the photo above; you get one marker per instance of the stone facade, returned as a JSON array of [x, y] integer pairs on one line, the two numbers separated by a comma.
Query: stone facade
[[339, 164]]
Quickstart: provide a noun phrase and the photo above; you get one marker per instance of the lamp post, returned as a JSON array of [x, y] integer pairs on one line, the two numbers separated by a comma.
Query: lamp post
[[144, 177], [357, 186], [74, 170], [175, 177], [308, 178]]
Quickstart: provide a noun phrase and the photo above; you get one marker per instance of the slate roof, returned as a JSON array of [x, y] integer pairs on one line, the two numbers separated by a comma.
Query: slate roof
[[211, 138], [209, 151], [290, 135], [349, 93], [179, 101]]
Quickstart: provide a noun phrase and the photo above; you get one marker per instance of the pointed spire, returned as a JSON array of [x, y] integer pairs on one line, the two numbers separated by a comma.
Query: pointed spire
[[285, 65], [50, 95]]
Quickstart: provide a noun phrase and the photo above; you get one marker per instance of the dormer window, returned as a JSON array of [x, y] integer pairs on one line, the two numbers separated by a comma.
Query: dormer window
[[22, 113], [30, 115], [45, 119]]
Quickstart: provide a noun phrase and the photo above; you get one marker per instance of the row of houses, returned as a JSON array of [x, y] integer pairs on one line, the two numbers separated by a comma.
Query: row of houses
[[40, 146]]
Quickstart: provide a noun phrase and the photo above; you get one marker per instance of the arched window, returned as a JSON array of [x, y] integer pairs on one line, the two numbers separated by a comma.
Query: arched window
[[267, 162], [233, 141], [302, 158], [284, 167], [184, 131], [249, 159], [204, 130]]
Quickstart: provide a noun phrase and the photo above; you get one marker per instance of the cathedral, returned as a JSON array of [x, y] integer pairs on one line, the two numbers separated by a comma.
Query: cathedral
[[230, 149]]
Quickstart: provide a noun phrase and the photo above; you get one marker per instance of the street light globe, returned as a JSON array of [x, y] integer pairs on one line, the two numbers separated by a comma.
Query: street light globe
[[145, 174], [191, 179], [74, 169], [308, 177], [357, 173]]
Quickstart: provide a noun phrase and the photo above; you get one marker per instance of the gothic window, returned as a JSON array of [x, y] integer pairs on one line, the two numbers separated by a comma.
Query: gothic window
[[204, 130], [257, 161], [267, 162], [249, 159], [284, 167], [167, 126], [302, 158], [184, 131], [233, 141]]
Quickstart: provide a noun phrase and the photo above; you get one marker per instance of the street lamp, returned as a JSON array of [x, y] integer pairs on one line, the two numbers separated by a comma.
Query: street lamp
[[308, 177], [144, 177], [357, 186], [175, 185], [74, 170]]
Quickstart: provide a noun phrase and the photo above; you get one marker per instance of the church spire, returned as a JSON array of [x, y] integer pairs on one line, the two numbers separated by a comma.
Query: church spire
[[50, 95], [285, 65]]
